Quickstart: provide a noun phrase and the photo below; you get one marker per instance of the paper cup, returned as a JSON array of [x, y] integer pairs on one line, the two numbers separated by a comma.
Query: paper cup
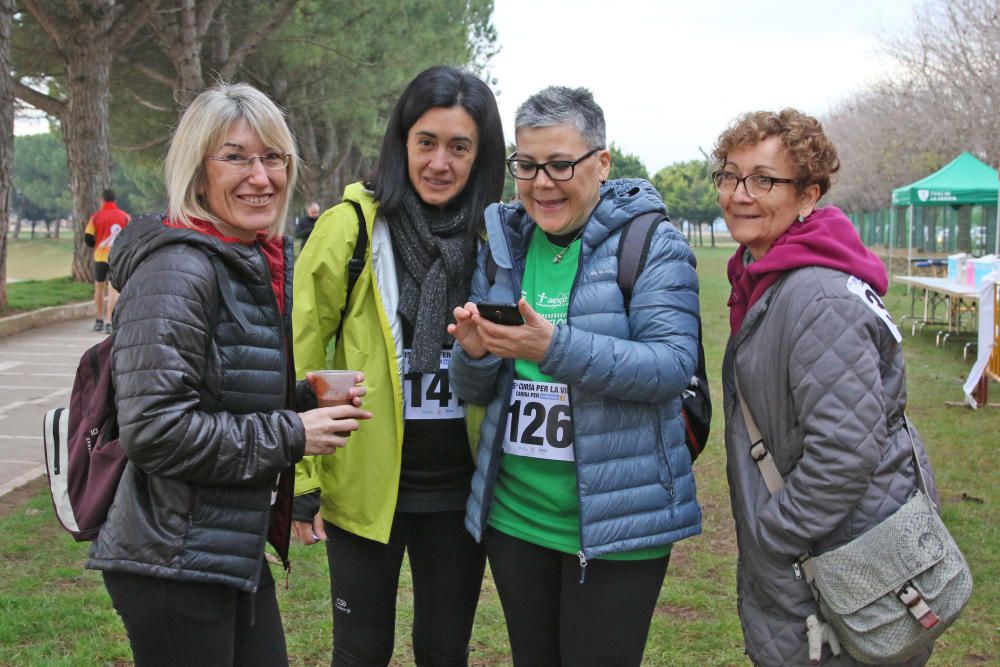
[[333, 387]]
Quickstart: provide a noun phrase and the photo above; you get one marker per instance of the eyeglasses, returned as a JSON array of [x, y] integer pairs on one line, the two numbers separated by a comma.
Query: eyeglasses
[[269, 160], [556, 170], [756, 185]]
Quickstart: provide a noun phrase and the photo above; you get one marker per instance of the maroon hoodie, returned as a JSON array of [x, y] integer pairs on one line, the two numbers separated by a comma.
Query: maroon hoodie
[[826, 238]]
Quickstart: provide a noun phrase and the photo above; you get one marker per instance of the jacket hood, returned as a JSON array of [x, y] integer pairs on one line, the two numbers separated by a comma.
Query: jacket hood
[[826, 238], [620, 201], [624, 199], [148, 234]]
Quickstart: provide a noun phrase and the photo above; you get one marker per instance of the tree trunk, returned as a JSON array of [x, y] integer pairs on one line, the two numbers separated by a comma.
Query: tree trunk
[[6, 138], [86, 36], [88, 153]]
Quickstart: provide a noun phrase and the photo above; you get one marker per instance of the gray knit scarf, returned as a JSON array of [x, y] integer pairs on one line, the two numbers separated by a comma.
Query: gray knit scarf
[[436, 258]]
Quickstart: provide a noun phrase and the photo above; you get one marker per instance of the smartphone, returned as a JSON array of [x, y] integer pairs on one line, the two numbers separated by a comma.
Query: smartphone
[[500, 313]]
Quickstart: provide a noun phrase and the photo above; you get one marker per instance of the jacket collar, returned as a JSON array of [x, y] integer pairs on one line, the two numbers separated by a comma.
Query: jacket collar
[[509, 227]]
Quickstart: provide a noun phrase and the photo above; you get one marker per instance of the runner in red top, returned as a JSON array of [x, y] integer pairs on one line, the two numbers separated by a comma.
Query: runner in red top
[[102, 230]]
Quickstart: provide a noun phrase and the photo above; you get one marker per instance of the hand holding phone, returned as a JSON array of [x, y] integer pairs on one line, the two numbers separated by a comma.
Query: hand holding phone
[[500, 313]]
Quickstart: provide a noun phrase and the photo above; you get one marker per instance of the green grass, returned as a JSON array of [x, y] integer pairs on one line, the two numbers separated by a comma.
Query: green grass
[[40, 259], [34, 294], [52, 612], [38, 275]]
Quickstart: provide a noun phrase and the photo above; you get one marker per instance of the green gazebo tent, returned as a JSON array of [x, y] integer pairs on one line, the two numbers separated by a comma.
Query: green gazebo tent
[[965, 181]]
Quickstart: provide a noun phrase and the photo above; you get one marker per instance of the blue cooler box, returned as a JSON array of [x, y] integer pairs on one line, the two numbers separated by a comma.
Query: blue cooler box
[[956, 267], [983, 267]]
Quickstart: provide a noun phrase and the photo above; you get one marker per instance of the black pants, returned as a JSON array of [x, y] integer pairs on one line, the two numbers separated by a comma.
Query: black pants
[[173, 623], [447, 568], [553, 620]]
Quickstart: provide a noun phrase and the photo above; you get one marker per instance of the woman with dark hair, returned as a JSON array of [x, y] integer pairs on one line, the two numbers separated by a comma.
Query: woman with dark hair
[[403, 483]]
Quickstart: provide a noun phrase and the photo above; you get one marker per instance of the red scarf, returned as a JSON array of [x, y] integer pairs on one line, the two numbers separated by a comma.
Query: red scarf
[[826, 238]]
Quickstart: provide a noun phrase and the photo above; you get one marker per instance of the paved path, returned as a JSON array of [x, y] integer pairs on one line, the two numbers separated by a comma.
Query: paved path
[[36, 374]]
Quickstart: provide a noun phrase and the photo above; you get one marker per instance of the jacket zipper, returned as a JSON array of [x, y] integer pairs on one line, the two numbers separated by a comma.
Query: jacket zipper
[[569, 394], [192, 506], [494, 471], [289, 398]]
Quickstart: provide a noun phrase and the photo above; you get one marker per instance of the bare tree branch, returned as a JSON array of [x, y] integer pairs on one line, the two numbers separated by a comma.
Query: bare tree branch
[[207, 10], [50, 105], [158, 141], [324, 47], [149, 72], [55, 27], [280, 13], [149, 105], [132, 19]]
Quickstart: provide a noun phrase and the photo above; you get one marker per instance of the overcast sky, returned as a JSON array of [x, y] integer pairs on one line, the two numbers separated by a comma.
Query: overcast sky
[[672, 74]]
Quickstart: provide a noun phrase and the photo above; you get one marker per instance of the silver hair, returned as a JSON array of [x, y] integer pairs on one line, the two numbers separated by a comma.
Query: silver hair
[[556, 105]]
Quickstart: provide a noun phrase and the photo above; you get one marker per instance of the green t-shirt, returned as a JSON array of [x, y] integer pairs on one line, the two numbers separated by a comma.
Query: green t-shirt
[[536, 499]]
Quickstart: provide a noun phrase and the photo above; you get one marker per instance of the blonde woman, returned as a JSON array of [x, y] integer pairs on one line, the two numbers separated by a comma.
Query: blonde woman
[[206, 402]]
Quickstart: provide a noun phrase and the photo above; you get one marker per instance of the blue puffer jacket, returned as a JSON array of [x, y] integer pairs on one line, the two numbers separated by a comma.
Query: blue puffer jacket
[[625, 375]]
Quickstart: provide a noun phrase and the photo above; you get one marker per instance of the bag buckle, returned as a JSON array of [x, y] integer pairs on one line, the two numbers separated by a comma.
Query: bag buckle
[[915, 604], [758, 451]]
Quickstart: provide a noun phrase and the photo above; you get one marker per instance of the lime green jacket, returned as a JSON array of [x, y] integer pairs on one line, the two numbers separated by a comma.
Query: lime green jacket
[[360, 483]]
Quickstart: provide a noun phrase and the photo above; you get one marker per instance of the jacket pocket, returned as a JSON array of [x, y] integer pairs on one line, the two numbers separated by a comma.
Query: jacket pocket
[[666, 471]]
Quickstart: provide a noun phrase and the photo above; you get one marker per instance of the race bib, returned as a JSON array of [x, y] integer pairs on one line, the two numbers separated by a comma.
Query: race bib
[[429, 395], [864, 292], [538, 421]]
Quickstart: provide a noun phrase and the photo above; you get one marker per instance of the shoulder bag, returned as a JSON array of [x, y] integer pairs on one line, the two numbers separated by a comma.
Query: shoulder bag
[[889, 593]]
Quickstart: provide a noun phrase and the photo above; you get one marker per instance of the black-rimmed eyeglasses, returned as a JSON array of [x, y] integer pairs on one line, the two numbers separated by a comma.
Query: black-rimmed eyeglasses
[[556, 170], [271, 160], [756, 185]]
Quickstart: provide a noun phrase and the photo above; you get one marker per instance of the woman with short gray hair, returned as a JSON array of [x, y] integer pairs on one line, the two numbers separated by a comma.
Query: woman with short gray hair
[[583, 481]]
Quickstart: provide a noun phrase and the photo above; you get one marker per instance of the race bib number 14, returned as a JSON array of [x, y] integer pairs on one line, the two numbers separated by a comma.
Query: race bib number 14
[[538, 421], [429, 395]]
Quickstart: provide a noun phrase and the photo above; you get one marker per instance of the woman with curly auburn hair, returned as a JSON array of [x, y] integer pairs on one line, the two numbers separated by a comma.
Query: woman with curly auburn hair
[[819, 362]]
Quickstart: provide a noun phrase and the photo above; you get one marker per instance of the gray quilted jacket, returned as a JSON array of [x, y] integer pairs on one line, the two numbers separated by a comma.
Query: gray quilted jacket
[[201, 415], [824, 378], [625, 375]]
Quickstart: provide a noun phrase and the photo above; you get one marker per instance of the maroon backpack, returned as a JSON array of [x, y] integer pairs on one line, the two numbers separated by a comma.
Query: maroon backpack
[[83, 458]]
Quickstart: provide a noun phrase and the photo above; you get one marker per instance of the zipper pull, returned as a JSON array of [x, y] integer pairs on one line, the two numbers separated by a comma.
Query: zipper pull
[[583, 565], [798, 571]]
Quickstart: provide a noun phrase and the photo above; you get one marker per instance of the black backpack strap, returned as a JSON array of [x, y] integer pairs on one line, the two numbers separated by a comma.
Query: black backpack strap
[[633, 247], [226, 291], [357, 262]]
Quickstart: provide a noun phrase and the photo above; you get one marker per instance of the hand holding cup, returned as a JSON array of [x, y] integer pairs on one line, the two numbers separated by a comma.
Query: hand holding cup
[[327, 429], [338, 394], [337, 387]]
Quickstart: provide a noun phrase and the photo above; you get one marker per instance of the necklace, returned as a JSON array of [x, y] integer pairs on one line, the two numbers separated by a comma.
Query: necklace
[[559, 255]]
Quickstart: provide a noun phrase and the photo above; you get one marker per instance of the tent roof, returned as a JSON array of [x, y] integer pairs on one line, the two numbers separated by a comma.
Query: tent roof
[[964, 180]]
